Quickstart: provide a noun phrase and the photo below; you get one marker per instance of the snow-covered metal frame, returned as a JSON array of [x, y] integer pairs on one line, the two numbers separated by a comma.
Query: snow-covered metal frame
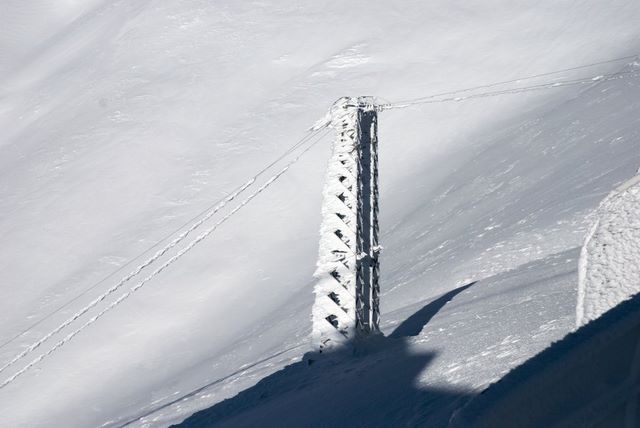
[[347, 303]]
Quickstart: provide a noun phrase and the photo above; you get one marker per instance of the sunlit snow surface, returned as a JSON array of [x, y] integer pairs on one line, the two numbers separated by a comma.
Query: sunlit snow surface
[[122, 120]]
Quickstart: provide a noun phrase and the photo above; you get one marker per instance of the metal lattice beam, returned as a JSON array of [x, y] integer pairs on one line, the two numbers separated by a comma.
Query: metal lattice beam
[[347, 303]]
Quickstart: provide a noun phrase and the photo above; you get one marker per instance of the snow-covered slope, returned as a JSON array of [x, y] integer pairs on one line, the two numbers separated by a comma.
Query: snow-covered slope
[[122, 120], [437, 355], [589, 379]]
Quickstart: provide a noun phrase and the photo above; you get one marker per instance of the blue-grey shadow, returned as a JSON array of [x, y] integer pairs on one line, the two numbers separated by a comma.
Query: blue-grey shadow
[[375, 384], [413, 325], [590, 378]]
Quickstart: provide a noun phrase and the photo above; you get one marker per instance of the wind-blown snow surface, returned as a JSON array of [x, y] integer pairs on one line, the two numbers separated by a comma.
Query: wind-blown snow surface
[[121, 120], [610, 258]]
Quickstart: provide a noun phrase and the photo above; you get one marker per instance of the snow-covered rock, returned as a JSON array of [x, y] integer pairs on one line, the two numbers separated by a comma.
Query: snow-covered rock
[[610, 258]]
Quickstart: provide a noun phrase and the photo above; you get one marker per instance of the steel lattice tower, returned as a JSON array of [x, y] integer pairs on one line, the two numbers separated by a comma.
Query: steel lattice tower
[[347, 302]]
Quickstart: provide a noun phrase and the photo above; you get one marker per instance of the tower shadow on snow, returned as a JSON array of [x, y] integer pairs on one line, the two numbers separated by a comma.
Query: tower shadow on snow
[[374, 386], [413, 325]]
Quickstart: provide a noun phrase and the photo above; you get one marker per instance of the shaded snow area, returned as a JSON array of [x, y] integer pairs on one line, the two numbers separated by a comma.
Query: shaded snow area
[[610, 259], [589, 379], [125, 122], [434, 357]]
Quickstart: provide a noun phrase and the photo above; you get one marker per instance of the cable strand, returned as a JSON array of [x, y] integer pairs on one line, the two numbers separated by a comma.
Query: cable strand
[[212, 210], [160, 269], [549, 85]]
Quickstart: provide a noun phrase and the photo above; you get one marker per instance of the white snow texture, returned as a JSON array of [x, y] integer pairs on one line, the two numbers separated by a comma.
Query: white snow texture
[[123, 122], [337, 255], [610, 258]]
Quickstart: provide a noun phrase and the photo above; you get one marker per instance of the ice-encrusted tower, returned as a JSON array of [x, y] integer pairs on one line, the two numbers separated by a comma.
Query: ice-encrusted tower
[[346, 307]]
